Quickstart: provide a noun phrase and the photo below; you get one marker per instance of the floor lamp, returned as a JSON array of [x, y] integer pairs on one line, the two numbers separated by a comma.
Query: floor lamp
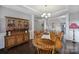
[[73, 26]]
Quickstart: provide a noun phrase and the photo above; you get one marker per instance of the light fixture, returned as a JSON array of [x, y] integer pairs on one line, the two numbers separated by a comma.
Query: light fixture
[[46, 14], [49, 14], [43, 14]]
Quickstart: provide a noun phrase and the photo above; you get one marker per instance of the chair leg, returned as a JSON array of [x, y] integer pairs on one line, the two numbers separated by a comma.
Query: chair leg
[[53, 51], [38, 51]]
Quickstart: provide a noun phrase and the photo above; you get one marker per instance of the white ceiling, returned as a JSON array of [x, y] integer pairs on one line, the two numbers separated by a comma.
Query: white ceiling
[[37, 10], [47, 8]]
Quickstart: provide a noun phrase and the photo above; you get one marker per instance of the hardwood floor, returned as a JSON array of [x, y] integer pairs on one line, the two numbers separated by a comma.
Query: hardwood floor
[[28, 48], [71, 47]]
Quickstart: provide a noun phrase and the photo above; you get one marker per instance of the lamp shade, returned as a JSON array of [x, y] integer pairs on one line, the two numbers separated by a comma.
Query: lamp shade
[[73, 26]]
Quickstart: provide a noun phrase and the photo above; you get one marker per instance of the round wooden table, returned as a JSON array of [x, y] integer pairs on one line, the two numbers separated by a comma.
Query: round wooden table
[[44, 44]]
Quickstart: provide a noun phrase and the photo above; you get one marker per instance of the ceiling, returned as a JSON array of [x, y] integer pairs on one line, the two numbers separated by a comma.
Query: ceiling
[[37, 10], [46, 8], [40, 9]]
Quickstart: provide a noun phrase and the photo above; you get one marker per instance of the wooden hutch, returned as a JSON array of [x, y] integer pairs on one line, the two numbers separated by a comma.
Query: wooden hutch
[[16, 31]]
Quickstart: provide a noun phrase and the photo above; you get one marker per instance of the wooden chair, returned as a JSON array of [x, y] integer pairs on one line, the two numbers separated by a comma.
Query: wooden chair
[[52, 36], [38, 34], [60, 35], [58, 44], [57, 41]]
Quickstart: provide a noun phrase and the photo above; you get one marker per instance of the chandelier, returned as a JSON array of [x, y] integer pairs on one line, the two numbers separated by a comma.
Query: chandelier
[[45, 14]]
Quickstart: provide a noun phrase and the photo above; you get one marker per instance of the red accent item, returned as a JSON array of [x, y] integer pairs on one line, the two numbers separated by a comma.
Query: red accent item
[[73, 26]]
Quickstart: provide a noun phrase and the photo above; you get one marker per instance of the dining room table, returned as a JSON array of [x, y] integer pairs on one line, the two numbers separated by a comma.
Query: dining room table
[[44, 43]]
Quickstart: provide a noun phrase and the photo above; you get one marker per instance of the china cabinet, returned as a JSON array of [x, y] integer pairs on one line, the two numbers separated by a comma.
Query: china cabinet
[[16, 31]]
